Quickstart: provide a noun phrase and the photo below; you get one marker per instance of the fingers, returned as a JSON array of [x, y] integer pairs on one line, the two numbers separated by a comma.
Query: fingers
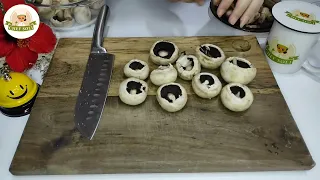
[[241, 7], [250, 12], [224, 6], [199, 2], [216, 2]]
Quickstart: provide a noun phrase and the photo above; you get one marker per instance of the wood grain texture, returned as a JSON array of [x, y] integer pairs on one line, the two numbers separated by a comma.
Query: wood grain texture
[[203, 137]]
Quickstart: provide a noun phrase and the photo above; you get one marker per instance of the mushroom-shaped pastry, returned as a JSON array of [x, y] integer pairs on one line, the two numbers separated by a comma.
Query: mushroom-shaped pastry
[[172, 97], [188, 66], [62, 18], [164, 52], [210, 56], [97, 4], [236, 97], [45, 12], [238, 70], [133, 91], [82, 15], [163, 75], [206, 85], [137, 69]]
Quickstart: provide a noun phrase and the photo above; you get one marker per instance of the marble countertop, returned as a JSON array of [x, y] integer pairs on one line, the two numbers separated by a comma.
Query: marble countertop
[[147, 18]]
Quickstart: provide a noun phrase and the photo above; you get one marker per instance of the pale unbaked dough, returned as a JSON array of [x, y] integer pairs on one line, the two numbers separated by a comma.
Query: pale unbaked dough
[[206, 85], [172, 97], [210, 56], [188, 66], [133, 91], [163, 75], [238, 70], [236, 97], [164, 52], [137, 69]]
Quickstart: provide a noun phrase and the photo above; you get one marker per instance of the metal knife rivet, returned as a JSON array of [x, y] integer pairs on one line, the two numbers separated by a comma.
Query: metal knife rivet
[[93, 106], [94, 100], [96, 95], [90, 112]]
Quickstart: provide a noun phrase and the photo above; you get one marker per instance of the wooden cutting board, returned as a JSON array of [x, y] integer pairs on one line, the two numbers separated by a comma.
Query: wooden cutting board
[[203, 137]]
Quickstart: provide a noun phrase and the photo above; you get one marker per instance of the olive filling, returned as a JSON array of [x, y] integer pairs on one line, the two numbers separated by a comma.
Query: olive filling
[[210, 51], [241, 64], [189, 66], [134, 87], [238, 91], [164, 50], [171, 92], [207, 80], [58, 19], [136, 65]]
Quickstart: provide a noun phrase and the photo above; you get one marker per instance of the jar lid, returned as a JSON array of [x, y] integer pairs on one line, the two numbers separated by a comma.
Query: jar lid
[[298, 15]]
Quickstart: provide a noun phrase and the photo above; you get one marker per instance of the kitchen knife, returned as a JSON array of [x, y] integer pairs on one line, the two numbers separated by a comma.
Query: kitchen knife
[[94, 89]]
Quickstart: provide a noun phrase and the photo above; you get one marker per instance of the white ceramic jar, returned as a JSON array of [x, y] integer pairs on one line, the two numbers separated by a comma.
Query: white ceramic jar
[[295, 31]]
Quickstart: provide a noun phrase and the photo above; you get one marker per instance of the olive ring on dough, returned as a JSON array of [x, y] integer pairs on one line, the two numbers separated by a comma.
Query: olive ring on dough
[[236, 97], [206, 85], [210, 56], [137, 69], [133, 91], [238, 70], [164, 52], [172, 97], [188, 66]]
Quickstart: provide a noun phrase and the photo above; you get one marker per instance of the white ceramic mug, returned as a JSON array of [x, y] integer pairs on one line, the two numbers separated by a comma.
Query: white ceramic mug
[[295, 31]]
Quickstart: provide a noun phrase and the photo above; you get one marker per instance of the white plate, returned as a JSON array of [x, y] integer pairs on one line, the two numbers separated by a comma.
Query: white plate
[[76, 26]]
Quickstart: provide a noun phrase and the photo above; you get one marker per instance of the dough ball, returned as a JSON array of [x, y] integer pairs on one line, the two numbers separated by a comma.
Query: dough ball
[[172, 97], [238, 70], [133, 91], [210, 56], [206, 85], [163, 75], [236, 97], [137, 69], [188, 66], [164, 52]]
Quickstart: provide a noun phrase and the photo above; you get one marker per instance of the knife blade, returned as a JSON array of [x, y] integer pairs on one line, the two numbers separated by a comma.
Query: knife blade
[[95, 84]]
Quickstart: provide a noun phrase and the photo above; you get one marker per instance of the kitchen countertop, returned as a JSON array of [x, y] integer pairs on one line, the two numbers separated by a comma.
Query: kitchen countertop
[[146, 18]]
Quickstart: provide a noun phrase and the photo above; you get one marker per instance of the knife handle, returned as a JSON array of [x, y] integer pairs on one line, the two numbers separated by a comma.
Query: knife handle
[[97, 42]]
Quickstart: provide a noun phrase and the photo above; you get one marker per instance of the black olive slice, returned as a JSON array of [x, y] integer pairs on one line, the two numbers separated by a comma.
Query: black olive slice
[[208, 78], [164, 50], [192, 63], [210, 51], [133, 85], [238, 91], [136, 65], [170, 89], [241, 64], [58, 19]]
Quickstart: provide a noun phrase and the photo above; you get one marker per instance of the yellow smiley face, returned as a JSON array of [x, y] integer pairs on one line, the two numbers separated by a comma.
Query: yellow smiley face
[[17, 90]]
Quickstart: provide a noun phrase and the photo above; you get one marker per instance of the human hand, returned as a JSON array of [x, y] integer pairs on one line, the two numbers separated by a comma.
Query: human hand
[[199, 2], [244, 10]]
